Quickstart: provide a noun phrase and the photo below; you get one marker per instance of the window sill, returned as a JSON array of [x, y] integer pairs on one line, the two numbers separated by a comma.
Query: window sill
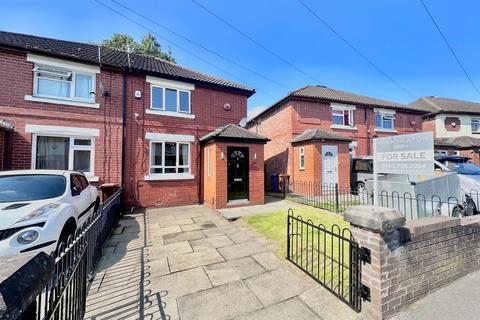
[[170, 114], [337, 126], [64, 102], [93, 179], [169, 176], [386, 130]]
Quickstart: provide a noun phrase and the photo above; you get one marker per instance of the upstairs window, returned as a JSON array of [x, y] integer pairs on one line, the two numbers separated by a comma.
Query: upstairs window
[[342, 115], [171, 100], [59, 83], [384, 121], [476, 125]]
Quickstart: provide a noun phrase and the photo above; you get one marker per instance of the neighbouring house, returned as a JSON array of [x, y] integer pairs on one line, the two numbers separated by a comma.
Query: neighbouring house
[[455, 124], [347, 115], [123, 119]]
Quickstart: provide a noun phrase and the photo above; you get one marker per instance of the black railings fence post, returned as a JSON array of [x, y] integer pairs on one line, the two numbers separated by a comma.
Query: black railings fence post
[[337, 202], [288, 233]]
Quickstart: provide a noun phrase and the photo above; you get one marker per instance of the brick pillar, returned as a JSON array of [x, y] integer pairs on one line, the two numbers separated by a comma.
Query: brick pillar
[[377, 229]]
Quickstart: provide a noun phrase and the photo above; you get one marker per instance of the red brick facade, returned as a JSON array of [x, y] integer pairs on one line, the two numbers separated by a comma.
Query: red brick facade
[[312, 171], [207, 105], [214, 189], [294, 115]]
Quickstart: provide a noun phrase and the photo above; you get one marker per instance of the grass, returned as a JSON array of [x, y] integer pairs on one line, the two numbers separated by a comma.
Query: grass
[[325, 258]]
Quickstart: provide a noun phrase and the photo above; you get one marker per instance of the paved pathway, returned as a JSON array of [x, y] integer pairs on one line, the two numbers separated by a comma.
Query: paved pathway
[[190, 263], [272, 204]]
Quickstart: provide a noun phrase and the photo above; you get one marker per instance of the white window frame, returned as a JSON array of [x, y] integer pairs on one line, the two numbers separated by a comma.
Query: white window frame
[[342, 108], [164, 84], [477, 120], [72, 147], [209, 162], [72, 67], [301, 157], [385, 113], [169, 138]]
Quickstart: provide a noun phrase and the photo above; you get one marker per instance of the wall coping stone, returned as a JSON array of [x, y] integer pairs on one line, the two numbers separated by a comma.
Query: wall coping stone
[[375, 218], [430, 224]]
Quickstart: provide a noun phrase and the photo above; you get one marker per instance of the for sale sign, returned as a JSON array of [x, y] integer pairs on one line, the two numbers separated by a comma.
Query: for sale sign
[[405, 154]]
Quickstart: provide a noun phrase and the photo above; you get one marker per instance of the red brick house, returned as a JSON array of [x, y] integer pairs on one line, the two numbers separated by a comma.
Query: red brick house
[[348, 115], [122, 119], [454, 123]]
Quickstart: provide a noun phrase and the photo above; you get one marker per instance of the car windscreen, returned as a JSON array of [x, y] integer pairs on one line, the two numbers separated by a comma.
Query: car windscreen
[[17, 188], [363, 165], [462, 166]]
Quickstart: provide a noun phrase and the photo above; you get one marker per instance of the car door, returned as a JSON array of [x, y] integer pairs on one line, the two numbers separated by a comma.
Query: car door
[[81, 198]]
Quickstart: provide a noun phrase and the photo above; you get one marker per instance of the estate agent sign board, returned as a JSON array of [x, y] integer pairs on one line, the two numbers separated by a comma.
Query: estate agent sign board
[[410, 154]]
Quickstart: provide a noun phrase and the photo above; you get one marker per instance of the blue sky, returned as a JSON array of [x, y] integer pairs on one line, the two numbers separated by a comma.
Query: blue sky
[[397, 35]]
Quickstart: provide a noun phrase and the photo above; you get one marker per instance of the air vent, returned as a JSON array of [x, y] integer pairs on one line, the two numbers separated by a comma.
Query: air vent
[[15, 206]]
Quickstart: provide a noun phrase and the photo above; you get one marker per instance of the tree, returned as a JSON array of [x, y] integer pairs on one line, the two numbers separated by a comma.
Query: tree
[[148, 45]]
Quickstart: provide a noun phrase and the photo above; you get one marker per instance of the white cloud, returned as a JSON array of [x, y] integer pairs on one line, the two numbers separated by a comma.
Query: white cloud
[[255, 111]]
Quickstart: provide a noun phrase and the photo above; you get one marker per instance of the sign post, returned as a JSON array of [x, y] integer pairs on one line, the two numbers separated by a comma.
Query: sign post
[[410, 154]]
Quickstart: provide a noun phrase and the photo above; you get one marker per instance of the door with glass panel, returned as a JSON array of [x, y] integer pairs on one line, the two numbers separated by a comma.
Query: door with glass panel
[[237, 173]]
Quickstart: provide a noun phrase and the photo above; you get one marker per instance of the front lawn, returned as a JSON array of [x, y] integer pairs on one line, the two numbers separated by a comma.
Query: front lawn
[[274, 225], [324, 256]]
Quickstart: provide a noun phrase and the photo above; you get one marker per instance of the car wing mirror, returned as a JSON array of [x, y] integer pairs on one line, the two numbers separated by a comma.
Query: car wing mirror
[[76, 191]]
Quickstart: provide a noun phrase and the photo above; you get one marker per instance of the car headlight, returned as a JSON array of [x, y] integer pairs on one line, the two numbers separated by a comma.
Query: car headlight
[[27, 237], [42, 211]]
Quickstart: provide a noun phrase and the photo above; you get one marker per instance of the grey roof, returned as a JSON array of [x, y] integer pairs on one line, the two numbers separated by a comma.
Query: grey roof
[[233, 132], [438, 104], [462, 142], [115, 58], [318, 134], [323, 93]]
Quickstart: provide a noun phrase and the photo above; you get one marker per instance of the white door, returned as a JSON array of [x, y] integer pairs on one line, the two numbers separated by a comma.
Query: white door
[[329, 165]]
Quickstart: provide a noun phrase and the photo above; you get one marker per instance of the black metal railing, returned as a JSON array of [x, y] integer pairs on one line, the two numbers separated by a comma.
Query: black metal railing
[[334, 198], [64, 297], [331, 257]]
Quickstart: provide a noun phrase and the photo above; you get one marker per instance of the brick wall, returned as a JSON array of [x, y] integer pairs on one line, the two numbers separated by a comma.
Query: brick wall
[[16, 80], [215, 192], [313, 171], [411, 262]]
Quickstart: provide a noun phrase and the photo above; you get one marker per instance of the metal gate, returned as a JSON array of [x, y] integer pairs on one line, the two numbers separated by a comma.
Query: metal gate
[[331, 257]]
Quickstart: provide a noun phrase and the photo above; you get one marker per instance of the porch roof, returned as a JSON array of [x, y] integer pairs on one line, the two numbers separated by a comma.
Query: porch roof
[[462, 142], [236, 133], [318, 134]]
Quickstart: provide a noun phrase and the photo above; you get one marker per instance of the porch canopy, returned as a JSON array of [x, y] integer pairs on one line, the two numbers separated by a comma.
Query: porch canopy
[[320, 135], [234, 133], [458, 143]]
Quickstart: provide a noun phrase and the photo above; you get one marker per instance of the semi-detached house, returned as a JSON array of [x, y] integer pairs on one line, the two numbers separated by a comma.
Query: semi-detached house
[[315, 130], [129, 120]]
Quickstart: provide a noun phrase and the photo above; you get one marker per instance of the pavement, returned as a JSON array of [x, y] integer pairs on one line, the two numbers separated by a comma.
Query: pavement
[[191, 263], [458, 300], [272, 204]]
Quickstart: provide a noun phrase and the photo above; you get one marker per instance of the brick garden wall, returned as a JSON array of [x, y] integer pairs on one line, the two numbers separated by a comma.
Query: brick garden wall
[[412, 262]]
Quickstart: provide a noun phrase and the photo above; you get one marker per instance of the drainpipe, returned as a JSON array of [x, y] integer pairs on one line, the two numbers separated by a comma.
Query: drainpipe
[[124, 126], [367, 126]]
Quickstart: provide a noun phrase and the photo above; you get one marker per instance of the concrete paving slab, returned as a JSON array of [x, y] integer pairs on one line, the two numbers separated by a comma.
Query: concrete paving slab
[[271, 205], [194, 259], [156, 252], [198, 226], [157, 267], [242, 250], [213, 242], [286, 310], [268, 260], [223, 302], [181, 283], [183, 236], [232, 270], [328, 306], [242, 236], [275, 286], [179, 222]]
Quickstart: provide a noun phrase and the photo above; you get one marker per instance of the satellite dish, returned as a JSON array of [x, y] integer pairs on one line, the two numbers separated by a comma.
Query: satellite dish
[[243, 122]]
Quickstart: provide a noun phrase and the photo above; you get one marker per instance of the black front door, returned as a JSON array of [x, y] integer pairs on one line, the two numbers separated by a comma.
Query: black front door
[[237, 173]]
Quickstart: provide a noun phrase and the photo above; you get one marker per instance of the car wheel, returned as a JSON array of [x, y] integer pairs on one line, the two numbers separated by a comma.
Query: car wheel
[[458, 212], [67, 231], [360, 187]]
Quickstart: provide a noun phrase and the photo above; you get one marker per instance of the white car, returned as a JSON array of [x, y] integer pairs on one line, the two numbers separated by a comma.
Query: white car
[[39, 209]]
